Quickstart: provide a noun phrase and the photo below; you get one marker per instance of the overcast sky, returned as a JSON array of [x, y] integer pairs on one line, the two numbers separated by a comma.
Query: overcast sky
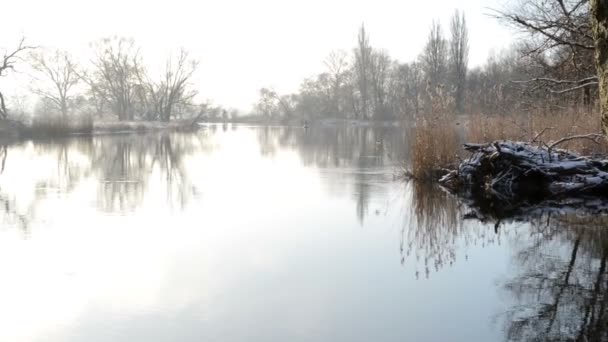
[[244, 45]]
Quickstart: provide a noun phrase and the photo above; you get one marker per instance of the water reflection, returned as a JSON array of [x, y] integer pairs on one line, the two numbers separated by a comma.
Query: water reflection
[[367, 151], [127, 164], [561, 284], [558, 285], [311, 220], [122, 168]]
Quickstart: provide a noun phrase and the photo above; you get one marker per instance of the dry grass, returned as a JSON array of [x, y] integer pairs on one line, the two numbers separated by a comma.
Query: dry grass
[[56, 126], [539, 128], [434, 142], [142, 126]]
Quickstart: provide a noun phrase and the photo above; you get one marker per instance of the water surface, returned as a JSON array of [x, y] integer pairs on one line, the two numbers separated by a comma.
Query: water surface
[[240, 233]]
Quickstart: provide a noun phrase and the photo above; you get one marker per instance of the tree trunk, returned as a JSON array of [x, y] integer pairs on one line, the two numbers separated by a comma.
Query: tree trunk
[[64, 110], [599, 24]]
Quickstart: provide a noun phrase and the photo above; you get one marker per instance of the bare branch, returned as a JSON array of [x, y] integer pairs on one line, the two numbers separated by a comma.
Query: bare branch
[[573, 88], [595, 137]]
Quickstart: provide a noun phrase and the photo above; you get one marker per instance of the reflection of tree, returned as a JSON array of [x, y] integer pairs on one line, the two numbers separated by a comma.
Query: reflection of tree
[[435, 230], [562, 285], [358, 151], [168, 155], [122, 166], [10, 216], [126, 163]]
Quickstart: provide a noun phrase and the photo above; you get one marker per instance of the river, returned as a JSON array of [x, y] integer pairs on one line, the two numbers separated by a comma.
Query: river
[[254, 233]]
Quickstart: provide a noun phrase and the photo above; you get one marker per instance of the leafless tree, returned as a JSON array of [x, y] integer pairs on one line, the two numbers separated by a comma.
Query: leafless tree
[[560, 39], [114, 75], [270, 104], [459, 57], [173, 88], [434, 63], [363, 56], [380, 69], [337, 69], [405, 88], [56, 78], [7, 63]]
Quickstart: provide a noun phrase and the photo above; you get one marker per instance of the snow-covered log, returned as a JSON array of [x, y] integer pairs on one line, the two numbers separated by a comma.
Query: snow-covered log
[[510, 171]]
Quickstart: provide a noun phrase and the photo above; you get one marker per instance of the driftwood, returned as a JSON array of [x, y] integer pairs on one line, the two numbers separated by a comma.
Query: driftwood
[[513, 171]]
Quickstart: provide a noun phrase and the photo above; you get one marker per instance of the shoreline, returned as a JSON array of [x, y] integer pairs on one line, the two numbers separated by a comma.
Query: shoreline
[[12, 131]]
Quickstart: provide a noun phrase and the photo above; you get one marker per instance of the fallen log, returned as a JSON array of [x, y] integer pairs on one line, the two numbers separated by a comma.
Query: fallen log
[[509, 172]]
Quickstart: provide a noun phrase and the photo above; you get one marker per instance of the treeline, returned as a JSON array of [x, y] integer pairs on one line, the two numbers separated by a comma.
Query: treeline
[[115, 83], [546, 73]]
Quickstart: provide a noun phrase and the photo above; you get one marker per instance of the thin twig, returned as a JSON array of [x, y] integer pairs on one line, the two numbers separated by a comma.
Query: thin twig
[[541, 133]]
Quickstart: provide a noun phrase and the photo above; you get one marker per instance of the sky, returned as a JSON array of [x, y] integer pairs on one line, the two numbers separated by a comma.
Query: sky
[[245, 45]]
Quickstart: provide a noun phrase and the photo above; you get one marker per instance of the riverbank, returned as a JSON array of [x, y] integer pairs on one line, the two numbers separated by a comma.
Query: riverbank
[[12, 131], [437, 142], [322, 122]]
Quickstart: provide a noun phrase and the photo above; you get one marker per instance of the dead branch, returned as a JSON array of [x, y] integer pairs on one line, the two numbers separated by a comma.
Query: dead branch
[[595, 137], [554, 81], [541, 133], [573, 88], [508, 172]]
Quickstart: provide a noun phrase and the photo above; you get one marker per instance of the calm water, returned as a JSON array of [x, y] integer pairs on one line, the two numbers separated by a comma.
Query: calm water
[[243, 233]]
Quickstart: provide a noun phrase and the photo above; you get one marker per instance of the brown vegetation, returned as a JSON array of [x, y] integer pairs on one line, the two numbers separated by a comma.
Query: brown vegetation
[[436, 143], [59, 126], [433, 143]]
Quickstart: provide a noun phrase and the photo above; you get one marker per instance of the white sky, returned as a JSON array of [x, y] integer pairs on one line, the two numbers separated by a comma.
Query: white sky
[[245, 45]]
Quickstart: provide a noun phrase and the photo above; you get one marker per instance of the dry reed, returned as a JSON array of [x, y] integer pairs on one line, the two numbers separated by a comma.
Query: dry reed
[[57, 126], [436, 145]]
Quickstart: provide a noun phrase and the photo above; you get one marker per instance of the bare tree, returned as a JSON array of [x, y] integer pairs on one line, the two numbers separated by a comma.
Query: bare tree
[[380, 68], [459, 57], [56, 78], [7, 63], [406, 82], [173, 88], [268, 104], [337, 69], [363, 56], [560, 39], [434, 62], [114, 76]]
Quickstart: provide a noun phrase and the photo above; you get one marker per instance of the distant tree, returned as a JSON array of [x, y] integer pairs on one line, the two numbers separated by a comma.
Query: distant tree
[[315, 97], [7, 63], [434, 57], [267, 103], [172, 89], [271, 104], [56, 78], [114, 75], [363, 59], [337, 70], [458, 57], [380, 69], [405, 88], [434, 63]]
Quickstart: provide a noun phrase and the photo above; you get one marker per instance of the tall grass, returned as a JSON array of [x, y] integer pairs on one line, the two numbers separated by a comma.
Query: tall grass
[[433, 142], [58, 126], [538, 128]]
